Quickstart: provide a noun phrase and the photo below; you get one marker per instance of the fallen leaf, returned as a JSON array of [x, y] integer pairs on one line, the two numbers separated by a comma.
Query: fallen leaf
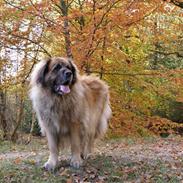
[[18, 160]]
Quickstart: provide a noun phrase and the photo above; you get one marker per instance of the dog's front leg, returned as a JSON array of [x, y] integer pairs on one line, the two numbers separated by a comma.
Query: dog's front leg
[[76, 160], [88, 146], [53, 143]]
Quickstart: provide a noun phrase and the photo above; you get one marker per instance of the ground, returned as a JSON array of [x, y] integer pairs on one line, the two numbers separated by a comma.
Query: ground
[[121, 160]]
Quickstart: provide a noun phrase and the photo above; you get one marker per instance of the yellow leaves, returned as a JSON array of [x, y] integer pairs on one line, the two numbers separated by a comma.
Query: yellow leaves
[[118, 37], [31, 161]]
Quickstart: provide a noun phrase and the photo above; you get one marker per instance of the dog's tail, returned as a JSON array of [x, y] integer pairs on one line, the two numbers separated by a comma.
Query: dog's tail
[[104, 118]]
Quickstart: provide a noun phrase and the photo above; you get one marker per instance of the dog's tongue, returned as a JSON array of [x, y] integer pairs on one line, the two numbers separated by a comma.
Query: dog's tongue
[[65, 89]]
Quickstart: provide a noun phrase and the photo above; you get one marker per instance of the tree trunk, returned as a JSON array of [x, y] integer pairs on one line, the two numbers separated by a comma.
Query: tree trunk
[[19, 119], [2, 114], [102, 57], [32, 122], [32, 127], [64, 10]]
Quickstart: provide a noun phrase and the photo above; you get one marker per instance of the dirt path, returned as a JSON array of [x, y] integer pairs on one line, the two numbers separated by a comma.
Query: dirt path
[[152, 160], [169, 149], [165, 149]]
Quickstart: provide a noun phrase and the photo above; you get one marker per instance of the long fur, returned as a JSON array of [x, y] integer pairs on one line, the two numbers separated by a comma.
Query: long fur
[[86, 106]]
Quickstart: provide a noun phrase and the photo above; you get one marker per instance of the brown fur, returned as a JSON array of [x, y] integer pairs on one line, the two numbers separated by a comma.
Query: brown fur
[[78, 117]]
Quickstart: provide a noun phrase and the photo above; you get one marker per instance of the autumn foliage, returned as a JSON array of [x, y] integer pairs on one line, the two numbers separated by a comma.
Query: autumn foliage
[[135, 46]]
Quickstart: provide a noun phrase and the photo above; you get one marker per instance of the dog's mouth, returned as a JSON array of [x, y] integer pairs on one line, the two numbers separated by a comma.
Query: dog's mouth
[[62, 89]]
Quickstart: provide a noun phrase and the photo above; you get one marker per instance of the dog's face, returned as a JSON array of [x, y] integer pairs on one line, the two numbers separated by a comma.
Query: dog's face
[[58, 74]]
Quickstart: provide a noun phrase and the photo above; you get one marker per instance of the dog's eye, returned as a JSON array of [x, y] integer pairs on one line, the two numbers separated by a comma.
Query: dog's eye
[[57, 67], [68, 67]]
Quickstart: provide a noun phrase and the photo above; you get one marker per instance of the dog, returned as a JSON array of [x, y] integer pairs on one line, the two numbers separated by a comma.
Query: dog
[[71, 109]]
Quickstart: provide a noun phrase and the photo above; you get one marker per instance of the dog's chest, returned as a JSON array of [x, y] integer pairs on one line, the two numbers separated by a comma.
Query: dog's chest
[[68, 111], [59, 113]]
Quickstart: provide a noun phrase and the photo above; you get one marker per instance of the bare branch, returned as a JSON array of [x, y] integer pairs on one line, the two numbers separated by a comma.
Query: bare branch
[[32, 41], [96, 26], [34, 62], [123, 74], [177, 3], [142, 18], [107, 11], [160, 73], [14, 6], [168, 53]]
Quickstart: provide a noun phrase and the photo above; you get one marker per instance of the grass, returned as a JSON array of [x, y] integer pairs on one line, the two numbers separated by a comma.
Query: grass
[[101, 168], [34, 145], [24, 172], [104, 167]]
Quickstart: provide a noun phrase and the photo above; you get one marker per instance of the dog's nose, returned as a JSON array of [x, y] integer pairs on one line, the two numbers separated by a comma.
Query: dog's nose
[[68, 74]]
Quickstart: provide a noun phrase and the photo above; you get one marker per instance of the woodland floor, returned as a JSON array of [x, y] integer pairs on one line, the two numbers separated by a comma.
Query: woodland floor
[[120, 160]]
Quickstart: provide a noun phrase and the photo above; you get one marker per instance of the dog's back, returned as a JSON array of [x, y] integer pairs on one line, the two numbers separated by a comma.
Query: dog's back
[[97, 95]]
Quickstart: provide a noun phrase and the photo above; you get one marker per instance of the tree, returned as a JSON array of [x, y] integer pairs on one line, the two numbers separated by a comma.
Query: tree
[[132, 45]]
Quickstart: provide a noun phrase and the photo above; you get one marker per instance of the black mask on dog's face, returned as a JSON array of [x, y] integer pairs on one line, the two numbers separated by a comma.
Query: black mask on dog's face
[[63, 79], [59, 75]]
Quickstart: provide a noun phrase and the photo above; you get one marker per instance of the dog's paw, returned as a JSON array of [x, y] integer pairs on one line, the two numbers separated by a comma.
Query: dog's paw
[[85, 156], [76, 161], [87, 151], [50, 166]]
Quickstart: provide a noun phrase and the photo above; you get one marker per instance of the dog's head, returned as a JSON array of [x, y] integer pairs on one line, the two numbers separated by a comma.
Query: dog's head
[[58, 74]]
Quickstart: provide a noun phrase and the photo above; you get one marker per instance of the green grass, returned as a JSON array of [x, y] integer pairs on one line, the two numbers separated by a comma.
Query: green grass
[[34, 145], [98, 168], [24, 172]]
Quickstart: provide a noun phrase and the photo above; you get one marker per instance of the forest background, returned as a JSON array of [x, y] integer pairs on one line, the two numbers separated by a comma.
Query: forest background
[[136, 46]]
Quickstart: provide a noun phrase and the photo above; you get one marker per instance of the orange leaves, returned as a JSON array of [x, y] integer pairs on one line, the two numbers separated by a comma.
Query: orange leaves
[[17, 160], [163, 126], [108, 37]]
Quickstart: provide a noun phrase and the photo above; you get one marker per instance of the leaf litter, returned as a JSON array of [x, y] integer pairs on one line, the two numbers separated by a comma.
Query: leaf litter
[[157, 160]]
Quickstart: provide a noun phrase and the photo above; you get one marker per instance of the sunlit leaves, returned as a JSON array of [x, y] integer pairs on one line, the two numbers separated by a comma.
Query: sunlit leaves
[[133, 45]]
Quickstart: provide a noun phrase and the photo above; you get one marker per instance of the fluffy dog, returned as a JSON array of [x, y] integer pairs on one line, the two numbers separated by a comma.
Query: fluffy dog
[[71, 109]]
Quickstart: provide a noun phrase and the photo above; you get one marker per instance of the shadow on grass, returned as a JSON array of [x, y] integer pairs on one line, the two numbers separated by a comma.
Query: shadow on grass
[[99, 168], [95, 169]]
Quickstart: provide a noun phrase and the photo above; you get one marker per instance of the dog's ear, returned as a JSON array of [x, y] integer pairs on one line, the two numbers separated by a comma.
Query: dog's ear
[[43, 71], [74, 71]]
